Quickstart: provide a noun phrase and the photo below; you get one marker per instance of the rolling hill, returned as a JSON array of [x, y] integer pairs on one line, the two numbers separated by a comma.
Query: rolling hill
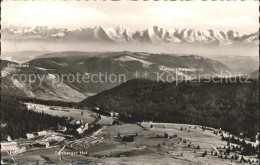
[[56, 70], [230, 106], [242, 64], [255, 74]]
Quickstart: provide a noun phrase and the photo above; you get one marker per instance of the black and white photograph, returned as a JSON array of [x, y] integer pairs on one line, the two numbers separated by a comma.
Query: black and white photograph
[[129, 82]]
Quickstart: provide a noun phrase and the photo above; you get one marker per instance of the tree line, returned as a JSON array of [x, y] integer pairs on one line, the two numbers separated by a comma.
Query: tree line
[[20, 120], [230, 106]]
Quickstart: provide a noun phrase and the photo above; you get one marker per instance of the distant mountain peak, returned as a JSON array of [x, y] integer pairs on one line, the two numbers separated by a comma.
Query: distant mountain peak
[[121, 34]]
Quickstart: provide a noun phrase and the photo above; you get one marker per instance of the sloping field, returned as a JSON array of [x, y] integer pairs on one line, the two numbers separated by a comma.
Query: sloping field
[[63, 111]]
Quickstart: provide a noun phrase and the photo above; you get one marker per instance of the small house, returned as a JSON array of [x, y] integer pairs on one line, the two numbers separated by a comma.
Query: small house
[[3, 125], [80, 130], [75, 122], [8, 138], [62, 129], [29, 135], [9, 146], [114, 114], [78, 122], [86, 126], [42, 133]]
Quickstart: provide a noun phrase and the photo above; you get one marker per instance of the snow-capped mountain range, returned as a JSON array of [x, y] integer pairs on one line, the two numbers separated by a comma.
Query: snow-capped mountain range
[[121, 34]]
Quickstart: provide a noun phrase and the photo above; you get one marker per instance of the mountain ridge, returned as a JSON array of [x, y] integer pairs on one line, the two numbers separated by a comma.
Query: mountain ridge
[[121, 34], [53, 65]]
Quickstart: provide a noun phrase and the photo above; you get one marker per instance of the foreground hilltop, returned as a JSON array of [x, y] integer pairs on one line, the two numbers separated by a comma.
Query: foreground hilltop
[[231, 106]]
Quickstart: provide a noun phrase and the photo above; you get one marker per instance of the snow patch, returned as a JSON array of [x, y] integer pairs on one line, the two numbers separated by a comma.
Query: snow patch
[[18, 84], [60, 34], [44, 69], [62, 64], [145, 64]]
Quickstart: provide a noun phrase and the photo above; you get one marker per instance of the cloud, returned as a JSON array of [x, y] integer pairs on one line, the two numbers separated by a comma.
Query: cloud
[[240, 21], [139, 15], [127, 16], [52, 14], [172, 11], [171, 16], [166, 16]]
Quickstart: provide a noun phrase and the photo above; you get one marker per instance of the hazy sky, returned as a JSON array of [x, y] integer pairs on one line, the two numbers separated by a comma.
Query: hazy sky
[[241, 16]]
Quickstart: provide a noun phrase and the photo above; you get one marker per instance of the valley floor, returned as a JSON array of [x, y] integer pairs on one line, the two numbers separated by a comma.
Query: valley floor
[[138, 143]]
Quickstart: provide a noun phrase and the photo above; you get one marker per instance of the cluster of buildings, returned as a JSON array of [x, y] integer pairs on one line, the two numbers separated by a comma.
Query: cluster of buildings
[[12, 148], [36, 134], [40, 139], [79, 126]]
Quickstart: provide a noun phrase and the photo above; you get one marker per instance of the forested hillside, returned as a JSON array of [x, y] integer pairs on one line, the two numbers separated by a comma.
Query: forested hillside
[[230, 106], [20, 120], [54, 72]]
